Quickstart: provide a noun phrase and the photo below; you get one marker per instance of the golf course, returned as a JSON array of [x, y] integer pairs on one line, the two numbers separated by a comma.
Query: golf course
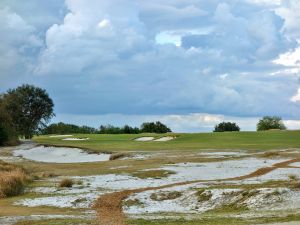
[[173, 178]]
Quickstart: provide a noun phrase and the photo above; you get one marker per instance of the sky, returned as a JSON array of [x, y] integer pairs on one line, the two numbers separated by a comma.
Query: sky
[[188, 63]]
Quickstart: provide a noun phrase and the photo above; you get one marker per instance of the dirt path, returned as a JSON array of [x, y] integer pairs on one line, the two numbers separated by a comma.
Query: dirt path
[[109, 206]]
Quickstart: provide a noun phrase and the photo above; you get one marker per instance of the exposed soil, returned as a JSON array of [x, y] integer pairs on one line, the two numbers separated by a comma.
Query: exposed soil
[[109, 206]]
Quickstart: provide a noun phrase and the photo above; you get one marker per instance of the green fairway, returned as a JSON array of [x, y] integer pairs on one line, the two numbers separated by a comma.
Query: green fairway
[[228, 140]]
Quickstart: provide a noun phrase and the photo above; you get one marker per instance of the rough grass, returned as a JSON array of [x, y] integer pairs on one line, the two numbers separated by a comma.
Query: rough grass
[[13, 180], [57, 222], [132, 202], [217, 220], [157, 174], [162, 196], [203, 195], [66, 183]]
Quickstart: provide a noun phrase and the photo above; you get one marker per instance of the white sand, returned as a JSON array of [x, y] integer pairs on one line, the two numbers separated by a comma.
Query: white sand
[[295, 164], [60, 155], [75, 139], [279, 198], [62, 135], [278, 174], [80, 197], [144, 139], [221, 154], [169, 138]]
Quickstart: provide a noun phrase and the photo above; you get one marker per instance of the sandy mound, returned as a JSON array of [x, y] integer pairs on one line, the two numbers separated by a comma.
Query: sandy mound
[[168, 138], [63, 135]]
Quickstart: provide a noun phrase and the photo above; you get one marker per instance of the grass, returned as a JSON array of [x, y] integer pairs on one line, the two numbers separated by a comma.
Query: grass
[[56, 222], [157, 174], [217, 220], [264, 140], [13, 180]]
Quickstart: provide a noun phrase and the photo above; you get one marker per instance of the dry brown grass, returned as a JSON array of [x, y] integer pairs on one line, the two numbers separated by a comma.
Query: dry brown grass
[[13, 180], [66, 183]]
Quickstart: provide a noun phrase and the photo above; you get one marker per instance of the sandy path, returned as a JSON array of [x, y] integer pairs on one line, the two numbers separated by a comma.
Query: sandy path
[[109, 206]]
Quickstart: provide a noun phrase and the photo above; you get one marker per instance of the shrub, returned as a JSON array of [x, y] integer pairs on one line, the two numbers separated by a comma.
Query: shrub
[[66, 183], [226, 126]]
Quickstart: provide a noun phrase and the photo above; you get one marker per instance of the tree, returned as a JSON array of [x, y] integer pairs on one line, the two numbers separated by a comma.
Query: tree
[[30, 108], [270, 122], [7, 133], [226, 126], [156, 127]]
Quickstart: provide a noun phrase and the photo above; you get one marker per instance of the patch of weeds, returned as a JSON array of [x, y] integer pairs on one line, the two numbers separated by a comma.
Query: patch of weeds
[[133, 202], [79, 182], [292, 177], [119, 155], [66, 183], [48, 175], [13, 180], [162, 196], [203, 195], [157, 174], [79, 200], [69, 221], [270, 154]]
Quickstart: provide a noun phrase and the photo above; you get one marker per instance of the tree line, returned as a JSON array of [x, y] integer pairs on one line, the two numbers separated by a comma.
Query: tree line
[[148, 127]]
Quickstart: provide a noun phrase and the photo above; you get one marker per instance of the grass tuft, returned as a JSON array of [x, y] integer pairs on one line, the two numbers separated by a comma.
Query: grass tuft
[[66, 183]]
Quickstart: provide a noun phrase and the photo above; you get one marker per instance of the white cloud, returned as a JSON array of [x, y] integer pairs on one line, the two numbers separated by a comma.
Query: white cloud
[[119, 56], [296, 97], [104, 23]]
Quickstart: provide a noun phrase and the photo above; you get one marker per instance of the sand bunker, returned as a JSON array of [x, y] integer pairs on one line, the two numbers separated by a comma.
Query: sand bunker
[[169, 138], [144, 139], [75, 139], [62, 135], [60, 155]]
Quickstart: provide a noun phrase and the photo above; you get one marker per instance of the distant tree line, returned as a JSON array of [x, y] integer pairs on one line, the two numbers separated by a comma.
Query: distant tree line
[[64, 128], [23, 112], [149, 127]]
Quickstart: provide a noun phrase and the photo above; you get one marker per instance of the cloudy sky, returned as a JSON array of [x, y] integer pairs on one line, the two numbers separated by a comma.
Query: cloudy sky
[[188, 63]]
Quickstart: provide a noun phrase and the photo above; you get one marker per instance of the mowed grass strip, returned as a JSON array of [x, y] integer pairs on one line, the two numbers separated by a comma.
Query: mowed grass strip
[[263, 140]]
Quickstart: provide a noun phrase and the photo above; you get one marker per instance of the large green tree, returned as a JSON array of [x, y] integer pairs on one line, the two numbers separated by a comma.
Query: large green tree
[[30, 108], [270, 122]]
